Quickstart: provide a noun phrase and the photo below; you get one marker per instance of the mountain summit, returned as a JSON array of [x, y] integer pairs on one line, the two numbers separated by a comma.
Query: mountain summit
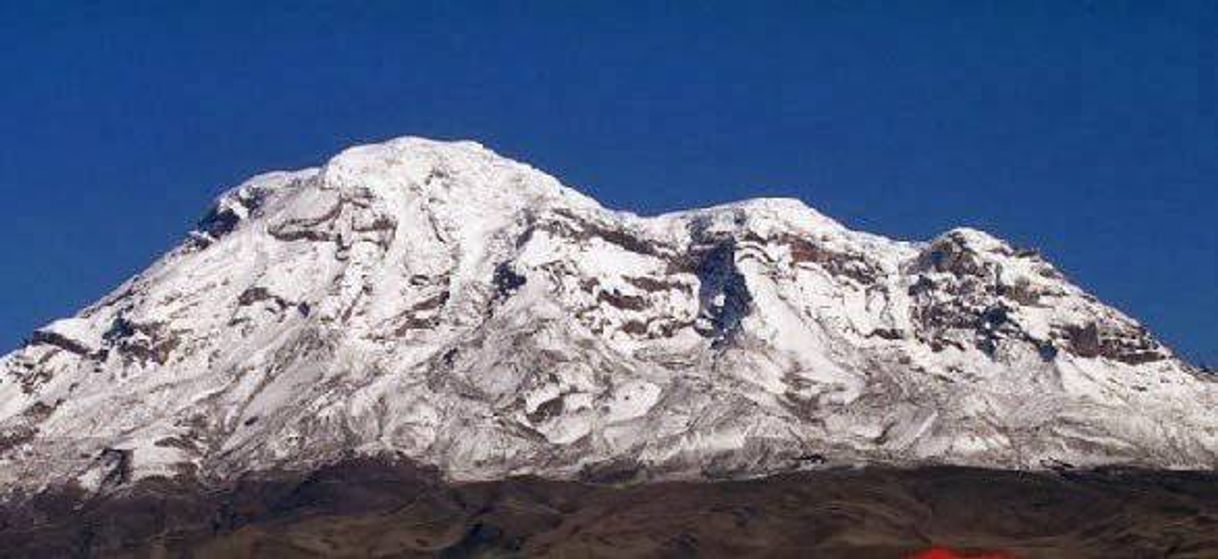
[[438, 303]]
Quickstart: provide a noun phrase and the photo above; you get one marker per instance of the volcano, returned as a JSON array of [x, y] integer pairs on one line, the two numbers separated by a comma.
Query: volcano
[[435, 304]]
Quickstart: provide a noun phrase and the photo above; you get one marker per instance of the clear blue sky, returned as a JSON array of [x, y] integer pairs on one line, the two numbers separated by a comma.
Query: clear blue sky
[[1086, 129]]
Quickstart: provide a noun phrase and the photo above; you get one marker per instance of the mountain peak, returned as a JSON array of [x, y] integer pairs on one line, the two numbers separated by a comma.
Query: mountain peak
[[456, 167]]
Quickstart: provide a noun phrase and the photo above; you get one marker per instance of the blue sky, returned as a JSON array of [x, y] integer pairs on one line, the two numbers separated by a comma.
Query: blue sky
[[1089, 130]]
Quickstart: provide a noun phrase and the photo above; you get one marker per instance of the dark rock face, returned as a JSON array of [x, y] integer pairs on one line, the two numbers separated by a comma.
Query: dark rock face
[[218, 222], [51, 338], [117, 465], [223, 218], [506, 281], [722, 293], [854, 266], [1132, 345], [367, 508], [951, 254], [140, 342]]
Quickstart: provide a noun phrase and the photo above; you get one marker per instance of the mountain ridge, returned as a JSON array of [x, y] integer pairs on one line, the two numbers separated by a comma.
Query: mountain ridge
[[437, 301]]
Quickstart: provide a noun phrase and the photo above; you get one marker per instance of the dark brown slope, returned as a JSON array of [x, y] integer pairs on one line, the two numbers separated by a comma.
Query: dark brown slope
[[371, 509]]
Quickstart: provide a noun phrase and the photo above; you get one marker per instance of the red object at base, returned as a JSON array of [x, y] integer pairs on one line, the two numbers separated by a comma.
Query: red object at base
[[945, 553]]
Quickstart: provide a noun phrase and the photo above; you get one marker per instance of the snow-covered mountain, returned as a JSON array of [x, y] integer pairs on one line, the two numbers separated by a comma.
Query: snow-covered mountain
[[439, 303]]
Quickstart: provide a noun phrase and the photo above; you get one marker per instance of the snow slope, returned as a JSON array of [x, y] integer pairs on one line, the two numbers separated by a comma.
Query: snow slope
[[440, 303]]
